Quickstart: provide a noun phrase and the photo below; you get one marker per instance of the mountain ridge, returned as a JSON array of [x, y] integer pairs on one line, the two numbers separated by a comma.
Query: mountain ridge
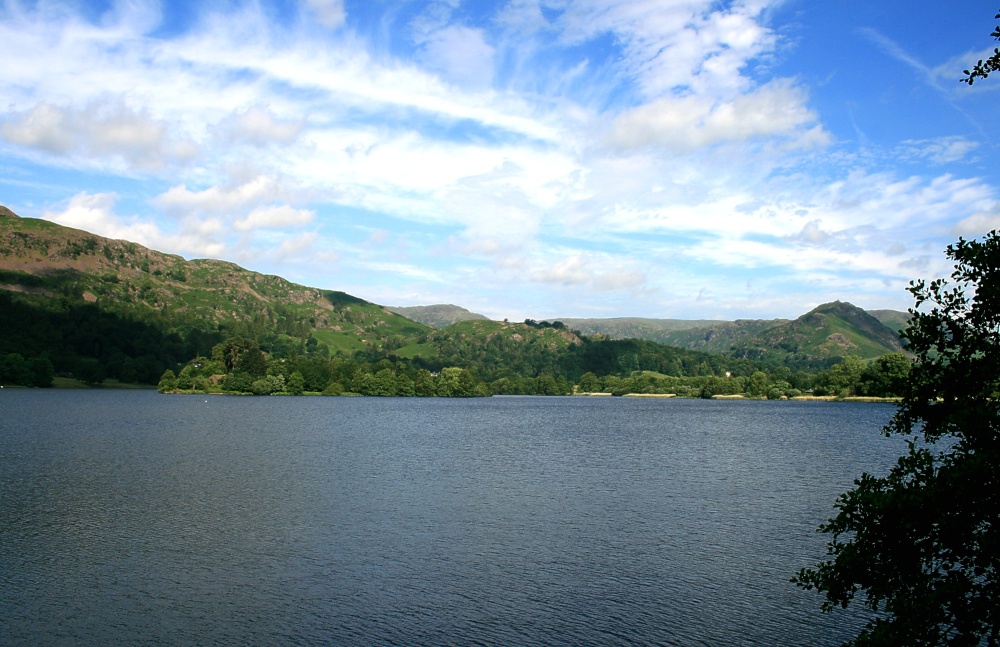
[[191, 305], [438, 315], [47, 267], [852, 331]]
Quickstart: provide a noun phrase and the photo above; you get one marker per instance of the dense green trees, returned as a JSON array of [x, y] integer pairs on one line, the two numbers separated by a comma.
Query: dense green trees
[[845, 378], [15, 369], [240, 365], [296, 383], [883, 377], [886, 376], [590, 383], [84, 341], [923, 542], [64, 337]]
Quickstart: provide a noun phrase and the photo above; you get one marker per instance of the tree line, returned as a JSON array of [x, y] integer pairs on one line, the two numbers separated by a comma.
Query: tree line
[[242, 365], [83, 341]]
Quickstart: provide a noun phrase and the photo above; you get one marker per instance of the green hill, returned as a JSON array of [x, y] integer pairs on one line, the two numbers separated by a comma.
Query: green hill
[[892, 319], [719, 337], [506, 350], [96, 307], [814, 340], [77, 304], [496, 348], [62, 278], [820, 337], [663, 331]]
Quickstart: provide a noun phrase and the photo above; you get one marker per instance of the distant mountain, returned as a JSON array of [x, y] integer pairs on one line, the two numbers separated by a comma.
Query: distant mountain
[[814, 340], [437, 316], [819, 337]]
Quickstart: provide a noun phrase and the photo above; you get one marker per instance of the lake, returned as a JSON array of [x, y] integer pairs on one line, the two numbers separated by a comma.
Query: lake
[[134, 517]]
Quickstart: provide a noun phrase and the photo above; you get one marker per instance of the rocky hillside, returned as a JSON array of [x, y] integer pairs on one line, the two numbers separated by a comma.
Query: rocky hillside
[[44, 260]]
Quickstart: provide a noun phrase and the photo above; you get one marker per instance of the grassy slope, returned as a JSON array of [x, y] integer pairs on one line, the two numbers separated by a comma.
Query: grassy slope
[[41, 257], [828, 331], [894, 320], [831, 330]]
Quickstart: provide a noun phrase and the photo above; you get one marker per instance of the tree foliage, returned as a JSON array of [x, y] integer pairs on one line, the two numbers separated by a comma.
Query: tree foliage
[[923, 542], [15, 369], [982, 69]]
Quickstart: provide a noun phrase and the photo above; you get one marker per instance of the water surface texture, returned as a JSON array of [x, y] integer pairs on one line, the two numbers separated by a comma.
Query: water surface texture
[[134, 517]]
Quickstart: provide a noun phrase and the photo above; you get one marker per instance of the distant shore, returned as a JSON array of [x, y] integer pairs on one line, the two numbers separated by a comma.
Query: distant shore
[[739, 396]]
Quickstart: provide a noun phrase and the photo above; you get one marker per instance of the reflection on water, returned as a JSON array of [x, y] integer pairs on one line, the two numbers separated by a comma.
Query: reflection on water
[[137, 517]]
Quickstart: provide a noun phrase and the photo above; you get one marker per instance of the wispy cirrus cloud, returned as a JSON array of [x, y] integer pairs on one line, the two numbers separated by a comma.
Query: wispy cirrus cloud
[[942, 150], [330, 13]]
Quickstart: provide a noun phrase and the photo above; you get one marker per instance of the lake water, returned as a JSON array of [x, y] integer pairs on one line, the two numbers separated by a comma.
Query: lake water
[[133, 517]]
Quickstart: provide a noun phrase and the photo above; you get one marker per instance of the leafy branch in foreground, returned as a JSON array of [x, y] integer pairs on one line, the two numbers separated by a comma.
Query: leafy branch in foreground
[[982, 69], [923, 542]]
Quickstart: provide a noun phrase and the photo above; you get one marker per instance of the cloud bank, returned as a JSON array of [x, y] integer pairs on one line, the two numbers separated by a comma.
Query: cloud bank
[[529, 157]]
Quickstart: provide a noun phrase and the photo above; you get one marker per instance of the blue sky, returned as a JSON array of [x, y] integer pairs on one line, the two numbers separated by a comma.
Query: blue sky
[[521, 158]]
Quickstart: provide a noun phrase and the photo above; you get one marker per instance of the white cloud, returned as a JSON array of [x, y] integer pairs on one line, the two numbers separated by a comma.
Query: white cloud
[[461, 53], [620, 280], [513, 145], [275, 217], [811, 233], [979, 223], [258, 127], [43, 127], [568, 271], [296, 248], [943, 150], [101, 129], [522, 17], [403, 270], [677, 44], [806, 261], [330, 13], [197, 233], [897, 52], [687, 123], [597, 271], [91, 212], [95, 213], [221, 200]]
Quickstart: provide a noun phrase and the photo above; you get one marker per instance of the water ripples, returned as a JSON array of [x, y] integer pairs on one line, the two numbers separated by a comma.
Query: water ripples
[[139, 518]]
